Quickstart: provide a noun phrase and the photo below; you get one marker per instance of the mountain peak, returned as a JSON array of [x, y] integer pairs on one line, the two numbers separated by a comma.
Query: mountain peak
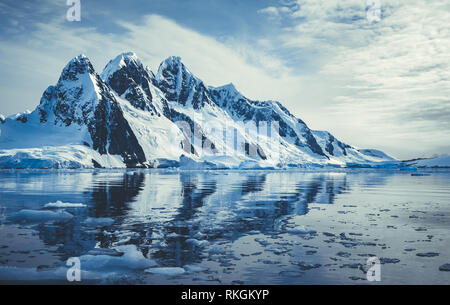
[[228, 87], [120, 61], [180, 85], [128, 77], [127, 57], [129, 54], [226, 94], [76, 66], [173, 64], [173, 60], [79, 60]]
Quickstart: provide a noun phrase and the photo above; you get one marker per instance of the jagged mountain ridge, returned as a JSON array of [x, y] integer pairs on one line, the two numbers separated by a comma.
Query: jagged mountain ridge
[[81, 97], [130, 117]]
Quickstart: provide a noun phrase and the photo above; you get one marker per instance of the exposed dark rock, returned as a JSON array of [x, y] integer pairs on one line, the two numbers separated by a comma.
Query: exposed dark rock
[[96, 164], [22, 118], [244, 109], [99, 111], [132, 81], [180, 85]]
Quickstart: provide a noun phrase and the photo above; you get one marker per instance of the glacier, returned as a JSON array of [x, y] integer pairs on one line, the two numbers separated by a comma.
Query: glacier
[[130, 117]]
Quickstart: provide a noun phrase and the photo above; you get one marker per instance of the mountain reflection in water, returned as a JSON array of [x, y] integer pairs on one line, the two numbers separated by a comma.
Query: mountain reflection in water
[[180, 218]]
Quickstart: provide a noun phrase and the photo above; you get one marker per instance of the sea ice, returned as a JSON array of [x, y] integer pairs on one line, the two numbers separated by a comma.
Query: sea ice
[[170, 271], [60, 204], [105, 251], [37, 216], [198, 243], [301, 230], [132, 259], [194, 269], [98, 222]]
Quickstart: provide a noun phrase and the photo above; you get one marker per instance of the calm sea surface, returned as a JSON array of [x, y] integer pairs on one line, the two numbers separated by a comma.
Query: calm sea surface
[[225, 227]]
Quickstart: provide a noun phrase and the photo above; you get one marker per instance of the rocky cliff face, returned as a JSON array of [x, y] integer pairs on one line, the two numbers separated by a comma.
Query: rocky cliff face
[[80, 98]]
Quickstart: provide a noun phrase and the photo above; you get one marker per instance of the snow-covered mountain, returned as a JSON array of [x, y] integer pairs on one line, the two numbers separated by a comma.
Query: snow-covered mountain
[[130, 117]]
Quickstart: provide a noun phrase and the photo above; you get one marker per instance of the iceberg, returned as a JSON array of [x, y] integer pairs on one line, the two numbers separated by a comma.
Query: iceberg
[[37, 216]]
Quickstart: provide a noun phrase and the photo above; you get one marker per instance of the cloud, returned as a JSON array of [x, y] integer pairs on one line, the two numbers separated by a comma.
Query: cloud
[[392, 76], [34, 61], [275, 13], [270, 11]]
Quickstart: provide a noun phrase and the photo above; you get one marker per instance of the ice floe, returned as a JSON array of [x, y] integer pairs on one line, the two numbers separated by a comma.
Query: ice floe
[[194, 269], [98, 222], [198, 243], [169, 271], [39, 216], [131, 259], [301, 230], [60, 204]]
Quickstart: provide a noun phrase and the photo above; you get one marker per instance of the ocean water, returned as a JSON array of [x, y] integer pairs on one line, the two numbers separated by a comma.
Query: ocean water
[[225, 227]]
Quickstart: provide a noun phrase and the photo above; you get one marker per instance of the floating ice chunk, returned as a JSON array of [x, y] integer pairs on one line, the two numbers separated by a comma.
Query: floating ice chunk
[[123, 241], [172, 235], [35, 216], [217, 250], [170, 271], [194, 269], [131, 259], [262, 242], [199, 235], [301, 230], [105, 251], [156, 235], [98, 222], [277, 251], [198, 243], [201, 278], [10, 273], [60, 204]]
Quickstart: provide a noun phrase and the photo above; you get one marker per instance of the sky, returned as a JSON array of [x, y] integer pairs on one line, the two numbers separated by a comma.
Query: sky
[[374, 73]]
